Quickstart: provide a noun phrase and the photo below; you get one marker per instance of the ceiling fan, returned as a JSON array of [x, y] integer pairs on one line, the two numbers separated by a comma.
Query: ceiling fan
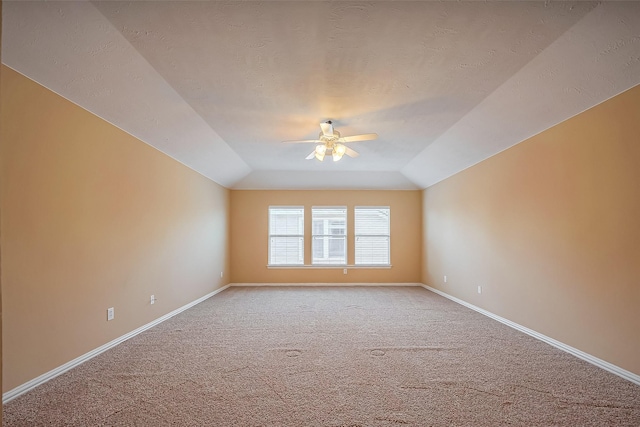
[[330, 142]]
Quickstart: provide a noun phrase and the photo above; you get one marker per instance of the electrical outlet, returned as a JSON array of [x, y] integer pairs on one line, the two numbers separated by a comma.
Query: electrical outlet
[[110, 314], [344, 271], [221, 274], [153, 299], [445, 279], [479, 289]]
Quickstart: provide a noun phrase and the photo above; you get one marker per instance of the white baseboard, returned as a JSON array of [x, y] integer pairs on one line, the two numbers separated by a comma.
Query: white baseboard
[[12, 394], [326, 284], [627, 375], [29, 385]]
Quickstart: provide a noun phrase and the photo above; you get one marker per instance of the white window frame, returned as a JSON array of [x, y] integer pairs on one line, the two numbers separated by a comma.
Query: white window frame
[[343, 236], [359, 234], [300, 236]]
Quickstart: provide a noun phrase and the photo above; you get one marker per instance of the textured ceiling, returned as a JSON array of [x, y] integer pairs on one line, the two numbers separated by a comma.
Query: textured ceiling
[[219, 85]]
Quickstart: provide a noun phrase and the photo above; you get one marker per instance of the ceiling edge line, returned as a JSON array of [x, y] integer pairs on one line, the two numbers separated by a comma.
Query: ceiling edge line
[[227, 186], [525, 139]]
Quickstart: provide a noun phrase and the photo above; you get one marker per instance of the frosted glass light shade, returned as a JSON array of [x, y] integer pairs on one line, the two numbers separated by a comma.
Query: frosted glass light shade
[[338, 152]]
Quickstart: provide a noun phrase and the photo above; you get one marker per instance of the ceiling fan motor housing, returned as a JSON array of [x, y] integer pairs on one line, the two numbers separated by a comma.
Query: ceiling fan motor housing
[[329, 138]]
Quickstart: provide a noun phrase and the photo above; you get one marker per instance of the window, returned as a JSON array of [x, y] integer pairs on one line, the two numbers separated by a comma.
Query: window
[[286, 235], [329, 235], [372, 233]]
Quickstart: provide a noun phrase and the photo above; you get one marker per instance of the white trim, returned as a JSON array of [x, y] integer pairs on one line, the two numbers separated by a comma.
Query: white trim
[[326, 284], [623, 373], [29, 385]]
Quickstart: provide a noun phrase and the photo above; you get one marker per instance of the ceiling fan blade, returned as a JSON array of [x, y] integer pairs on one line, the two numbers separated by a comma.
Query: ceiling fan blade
[[302, 141], [311, 156], [356, 138], [327, 129], [351, 153]]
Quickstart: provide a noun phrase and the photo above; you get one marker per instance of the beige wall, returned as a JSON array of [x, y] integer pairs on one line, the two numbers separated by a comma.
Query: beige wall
[[93, 218], [249, 236], [551, 230]]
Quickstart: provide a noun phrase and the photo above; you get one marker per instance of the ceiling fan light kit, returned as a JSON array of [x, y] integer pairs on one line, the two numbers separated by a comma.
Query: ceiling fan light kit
[[330, 141], [319, 152], [338, 151]]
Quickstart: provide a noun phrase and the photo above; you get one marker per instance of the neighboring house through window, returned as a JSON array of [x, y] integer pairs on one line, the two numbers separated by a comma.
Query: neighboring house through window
[[329, 235]]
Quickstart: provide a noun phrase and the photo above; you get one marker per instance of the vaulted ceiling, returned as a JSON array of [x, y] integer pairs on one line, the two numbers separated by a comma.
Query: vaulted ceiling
[[219, 85]]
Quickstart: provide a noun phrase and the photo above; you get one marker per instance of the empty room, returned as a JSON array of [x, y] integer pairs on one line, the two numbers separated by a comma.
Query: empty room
[[320, 213]]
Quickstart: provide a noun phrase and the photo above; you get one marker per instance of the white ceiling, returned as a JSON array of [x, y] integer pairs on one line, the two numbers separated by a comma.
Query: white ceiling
[[219, 85]]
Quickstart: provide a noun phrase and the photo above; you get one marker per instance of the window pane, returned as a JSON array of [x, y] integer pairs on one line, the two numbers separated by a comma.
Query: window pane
[[286, 235], [287, 250], [372, 233], [372, 250], [283, 221], [330, 213], [371, 221], [329, 250], [329, 242]]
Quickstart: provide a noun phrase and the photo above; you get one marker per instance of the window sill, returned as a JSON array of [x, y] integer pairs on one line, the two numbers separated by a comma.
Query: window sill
[[324, 267]]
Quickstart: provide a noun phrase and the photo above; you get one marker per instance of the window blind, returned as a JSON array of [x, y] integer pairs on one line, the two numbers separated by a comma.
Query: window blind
[[372, 235], [286, 235]]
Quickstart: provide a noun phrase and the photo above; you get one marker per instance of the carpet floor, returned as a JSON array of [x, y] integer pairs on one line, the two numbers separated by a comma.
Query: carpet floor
[[330, 356]]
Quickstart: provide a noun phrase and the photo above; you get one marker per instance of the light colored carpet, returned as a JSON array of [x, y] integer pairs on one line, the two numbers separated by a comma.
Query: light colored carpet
[[338, 356]]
